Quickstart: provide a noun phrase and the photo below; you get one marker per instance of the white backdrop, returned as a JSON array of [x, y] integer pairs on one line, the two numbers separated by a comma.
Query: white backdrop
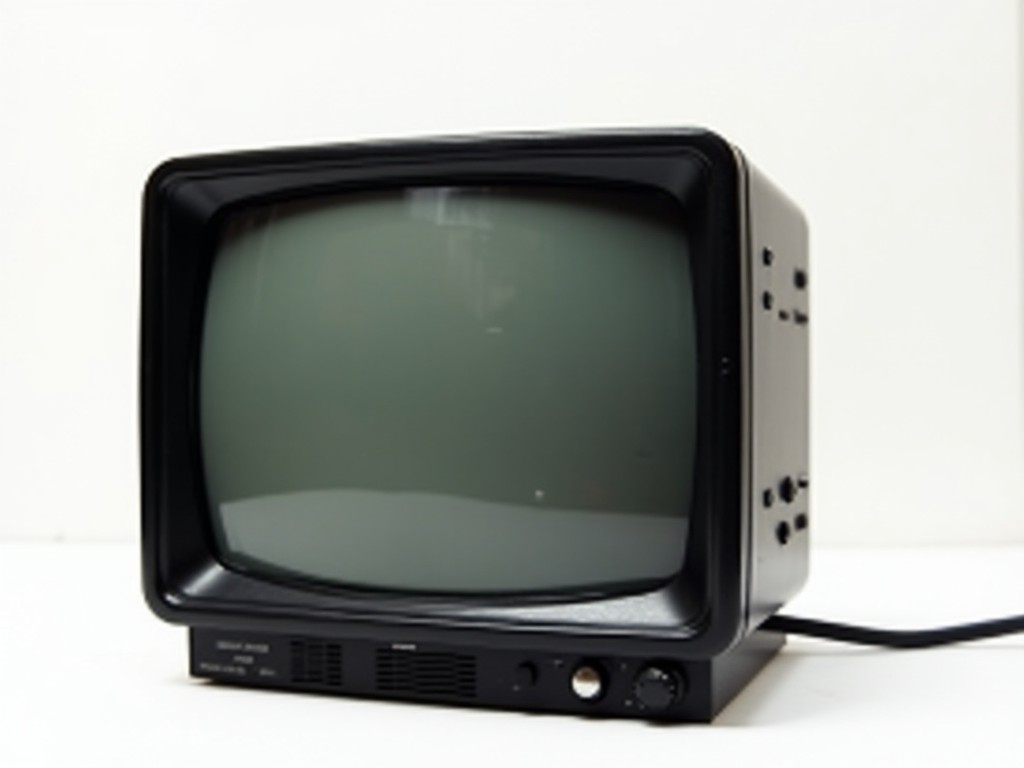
[[896, 125]]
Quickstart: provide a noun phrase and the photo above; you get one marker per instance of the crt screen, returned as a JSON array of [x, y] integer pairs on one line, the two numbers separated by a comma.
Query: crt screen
[[452, 390]]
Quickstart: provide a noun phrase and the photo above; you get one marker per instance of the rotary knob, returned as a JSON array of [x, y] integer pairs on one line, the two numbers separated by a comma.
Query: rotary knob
[[657, 688]]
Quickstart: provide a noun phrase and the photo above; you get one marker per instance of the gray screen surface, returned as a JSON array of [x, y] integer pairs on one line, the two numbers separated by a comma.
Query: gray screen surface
[[452, 390]]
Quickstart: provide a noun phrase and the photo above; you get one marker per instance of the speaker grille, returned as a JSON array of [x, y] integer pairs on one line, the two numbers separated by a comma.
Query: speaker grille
[[316, 662], [426, 673]]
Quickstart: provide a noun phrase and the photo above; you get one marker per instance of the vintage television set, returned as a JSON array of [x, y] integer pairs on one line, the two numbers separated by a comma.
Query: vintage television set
[[509, 421]]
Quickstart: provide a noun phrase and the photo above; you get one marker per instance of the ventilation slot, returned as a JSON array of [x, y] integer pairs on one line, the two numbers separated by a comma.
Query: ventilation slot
[[449, 675], [316, 662]]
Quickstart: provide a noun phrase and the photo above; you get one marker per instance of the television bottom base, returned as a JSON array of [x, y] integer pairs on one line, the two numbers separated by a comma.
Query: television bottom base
[[654, 689]]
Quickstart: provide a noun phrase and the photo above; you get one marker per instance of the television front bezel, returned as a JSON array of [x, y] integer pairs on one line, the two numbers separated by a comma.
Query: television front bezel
[[699, 613]]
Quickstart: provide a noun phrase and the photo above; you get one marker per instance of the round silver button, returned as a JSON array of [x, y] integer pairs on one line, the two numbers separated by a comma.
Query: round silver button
[[587, 683]]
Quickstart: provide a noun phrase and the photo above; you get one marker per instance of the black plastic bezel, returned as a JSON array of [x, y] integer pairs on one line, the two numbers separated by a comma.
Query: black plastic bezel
[[700, 613]]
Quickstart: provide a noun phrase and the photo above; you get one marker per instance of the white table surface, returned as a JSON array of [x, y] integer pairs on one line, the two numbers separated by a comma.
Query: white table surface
[[89, 677]]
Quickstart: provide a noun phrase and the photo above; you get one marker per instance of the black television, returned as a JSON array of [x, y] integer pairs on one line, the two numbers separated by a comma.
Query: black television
[[514, 421]]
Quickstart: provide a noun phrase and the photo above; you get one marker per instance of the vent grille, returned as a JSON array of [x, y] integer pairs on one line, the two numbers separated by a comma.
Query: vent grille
[[316, 662], [426, 673]]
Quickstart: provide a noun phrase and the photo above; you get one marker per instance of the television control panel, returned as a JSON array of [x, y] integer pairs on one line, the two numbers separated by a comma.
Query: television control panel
[[654, 688]]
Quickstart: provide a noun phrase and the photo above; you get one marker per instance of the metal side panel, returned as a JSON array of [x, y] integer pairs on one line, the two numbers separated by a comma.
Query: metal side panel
[[779, 326]]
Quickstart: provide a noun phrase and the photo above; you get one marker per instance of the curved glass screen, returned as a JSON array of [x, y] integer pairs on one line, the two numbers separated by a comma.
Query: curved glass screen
[[453, 390]]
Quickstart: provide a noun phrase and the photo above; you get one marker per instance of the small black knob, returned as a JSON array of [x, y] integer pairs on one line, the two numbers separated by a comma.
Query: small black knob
[[656, 688], [783, 533], [788, 489]]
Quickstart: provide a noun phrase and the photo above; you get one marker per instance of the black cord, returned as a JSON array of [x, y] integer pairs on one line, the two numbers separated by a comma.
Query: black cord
[[893, 638]]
